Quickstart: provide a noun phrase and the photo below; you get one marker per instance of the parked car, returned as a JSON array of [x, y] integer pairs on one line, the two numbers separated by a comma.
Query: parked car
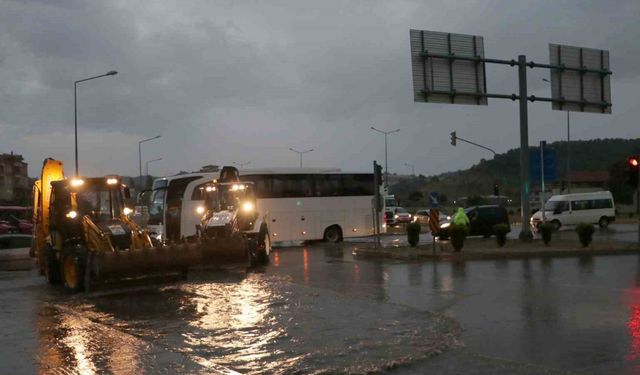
[[422, 217], [481, 219], [6, 227], [14, 252]]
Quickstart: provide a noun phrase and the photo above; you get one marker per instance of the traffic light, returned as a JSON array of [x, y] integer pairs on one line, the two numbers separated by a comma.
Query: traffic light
[[633, 165], [377, 172], [496, 190], [453, 138]]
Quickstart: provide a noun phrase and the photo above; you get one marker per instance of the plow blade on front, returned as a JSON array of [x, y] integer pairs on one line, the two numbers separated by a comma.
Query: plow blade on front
[[226, 251], [140, 265]]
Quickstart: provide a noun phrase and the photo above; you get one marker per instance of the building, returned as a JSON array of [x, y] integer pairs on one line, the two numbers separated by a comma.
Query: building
[[15, 185]]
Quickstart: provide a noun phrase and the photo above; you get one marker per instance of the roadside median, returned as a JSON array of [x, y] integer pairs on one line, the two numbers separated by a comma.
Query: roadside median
[[487, 249]]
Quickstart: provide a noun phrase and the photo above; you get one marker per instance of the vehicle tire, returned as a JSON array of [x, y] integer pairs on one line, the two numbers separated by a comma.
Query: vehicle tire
[[603, 222], [73, 266], [51, 265], [556, 225], [263, 245], [333, 234]]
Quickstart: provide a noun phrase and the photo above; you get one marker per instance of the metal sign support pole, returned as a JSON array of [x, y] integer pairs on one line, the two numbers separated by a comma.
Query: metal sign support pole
[[542, 145], [376, 207], [525, 232]]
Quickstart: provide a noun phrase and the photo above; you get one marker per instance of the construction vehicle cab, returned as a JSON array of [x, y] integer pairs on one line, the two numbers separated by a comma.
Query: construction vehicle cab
[[84, 236]]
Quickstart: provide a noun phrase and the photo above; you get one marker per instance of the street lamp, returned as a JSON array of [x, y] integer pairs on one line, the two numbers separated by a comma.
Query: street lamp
[[75, 108], [386, 166], [300, 153], [146, 165], [241, 164], [568, 149], [140, 153], [413, 170]]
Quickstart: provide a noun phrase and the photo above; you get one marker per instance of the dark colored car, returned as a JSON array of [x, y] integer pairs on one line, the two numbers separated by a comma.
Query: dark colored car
[[482, 219]]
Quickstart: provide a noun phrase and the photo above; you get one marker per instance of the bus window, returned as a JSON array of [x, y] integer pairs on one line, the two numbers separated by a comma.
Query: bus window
[[328, 185]]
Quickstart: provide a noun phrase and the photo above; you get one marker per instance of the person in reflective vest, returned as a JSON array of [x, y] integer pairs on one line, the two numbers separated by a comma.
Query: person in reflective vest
[[461, 218]]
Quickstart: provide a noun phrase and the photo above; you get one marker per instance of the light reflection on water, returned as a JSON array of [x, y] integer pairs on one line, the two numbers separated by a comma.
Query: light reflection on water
[[261, 323]]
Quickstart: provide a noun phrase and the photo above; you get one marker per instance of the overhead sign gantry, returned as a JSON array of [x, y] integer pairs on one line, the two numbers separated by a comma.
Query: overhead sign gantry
[[450, 68]]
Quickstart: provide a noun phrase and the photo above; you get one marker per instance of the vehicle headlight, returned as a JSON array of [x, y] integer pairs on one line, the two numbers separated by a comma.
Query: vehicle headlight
[[127, 210], [71, 214], [445, 225], [395, 216], [247, 207], [112, 181], [77, 182], [200, 210]]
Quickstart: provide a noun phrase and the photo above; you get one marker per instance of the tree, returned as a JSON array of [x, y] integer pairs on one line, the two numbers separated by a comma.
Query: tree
[[416, 196]]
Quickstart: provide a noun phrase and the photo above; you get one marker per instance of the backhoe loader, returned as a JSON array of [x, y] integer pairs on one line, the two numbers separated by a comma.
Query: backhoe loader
[[231, 227], [83, 236]]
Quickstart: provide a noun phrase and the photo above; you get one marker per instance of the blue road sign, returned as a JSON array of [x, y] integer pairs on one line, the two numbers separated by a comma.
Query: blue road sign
[[550, 161], [434, 197]]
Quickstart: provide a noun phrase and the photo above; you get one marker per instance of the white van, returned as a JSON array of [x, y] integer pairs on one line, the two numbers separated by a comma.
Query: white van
[[571, 209]]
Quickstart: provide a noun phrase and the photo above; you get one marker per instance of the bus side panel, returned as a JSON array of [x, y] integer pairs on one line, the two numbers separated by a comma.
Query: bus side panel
[[190, 217]]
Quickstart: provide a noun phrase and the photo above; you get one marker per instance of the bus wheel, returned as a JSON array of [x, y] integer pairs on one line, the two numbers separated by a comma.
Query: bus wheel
[[73, 268], [51, 265], [556, 225], [333, 234], [603, 222]]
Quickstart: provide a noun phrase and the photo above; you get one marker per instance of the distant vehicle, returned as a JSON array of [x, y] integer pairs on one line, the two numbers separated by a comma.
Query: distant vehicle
[[389, 220], [14, 252], [15, 219], [401, 215], [482, 219], [422, 217], [570, 209], [390, 201]]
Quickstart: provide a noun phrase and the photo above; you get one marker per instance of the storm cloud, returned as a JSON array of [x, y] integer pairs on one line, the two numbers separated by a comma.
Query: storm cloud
[[237, 81]]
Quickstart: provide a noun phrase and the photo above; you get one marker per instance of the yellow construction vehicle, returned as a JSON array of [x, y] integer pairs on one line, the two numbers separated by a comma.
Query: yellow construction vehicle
[[231, 227], [83, 236]]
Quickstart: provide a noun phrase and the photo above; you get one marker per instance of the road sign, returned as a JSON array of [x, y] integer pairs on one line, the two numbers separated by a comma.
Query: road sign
[[434, 197], [434, 220], [550, 161], [589, 83], [452, 81]]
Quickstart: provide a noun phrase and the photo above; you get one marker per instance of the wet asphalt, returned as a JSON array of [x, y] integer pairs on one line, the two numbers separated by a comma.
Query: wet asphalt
[[316, 309]]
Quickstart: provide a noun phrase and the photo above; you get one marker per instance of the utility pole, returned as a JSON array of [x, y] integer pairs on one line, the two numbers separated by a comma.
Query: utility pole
[[386, 164]]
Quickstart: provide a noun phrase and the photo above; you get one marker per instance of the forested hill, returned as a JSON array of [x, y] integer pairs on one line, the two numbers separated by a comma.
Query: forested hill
[[504, 169]]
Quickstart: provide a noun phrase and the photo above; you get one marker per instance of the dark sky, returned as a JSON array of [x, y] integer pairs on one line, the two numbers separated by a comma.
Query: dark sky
[[236, 81]]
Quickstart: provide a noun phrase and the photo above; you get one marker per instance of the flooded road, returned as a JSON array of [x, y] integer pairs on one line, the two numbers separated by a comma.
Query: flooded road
[[316, 309]]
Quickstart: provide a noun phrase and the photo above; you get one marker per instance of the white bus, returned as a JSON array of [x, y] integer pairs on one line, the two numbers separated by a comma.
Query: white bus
[[314, 204], [173, 209], [302, 204], [570, 209]]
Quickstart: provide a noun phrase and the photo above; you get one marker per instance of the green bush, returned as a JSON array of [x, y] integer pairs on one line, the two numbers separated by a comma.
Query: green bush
[[585, 233], [458, 233], [501, 231], [545, 231], [413, 234]]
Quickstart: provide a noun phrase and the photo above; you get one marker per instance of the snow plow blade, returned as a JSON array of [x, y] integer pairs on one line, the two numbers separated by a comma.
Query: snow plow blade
[[228, 251], [123, 266]]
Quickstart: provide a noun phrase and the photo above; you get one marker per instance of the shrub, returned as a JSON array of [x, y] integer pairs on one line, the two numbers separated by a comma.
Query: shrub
[[501, 231], [545, 231], [585, 233], [413, 234], [458, 233]]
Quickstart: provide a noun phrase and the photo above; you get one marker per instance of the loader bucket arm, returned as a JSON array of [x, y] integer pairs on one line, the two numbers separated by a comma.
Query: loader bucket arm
[[95, 239], [139, 237]]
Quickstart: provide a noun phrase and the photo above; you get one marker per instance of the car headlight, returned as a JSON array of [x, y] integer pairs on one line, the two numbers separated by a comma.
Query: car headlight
[[445, 225], [200, 210], [247, 207], [71, 214], [395, 216]]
